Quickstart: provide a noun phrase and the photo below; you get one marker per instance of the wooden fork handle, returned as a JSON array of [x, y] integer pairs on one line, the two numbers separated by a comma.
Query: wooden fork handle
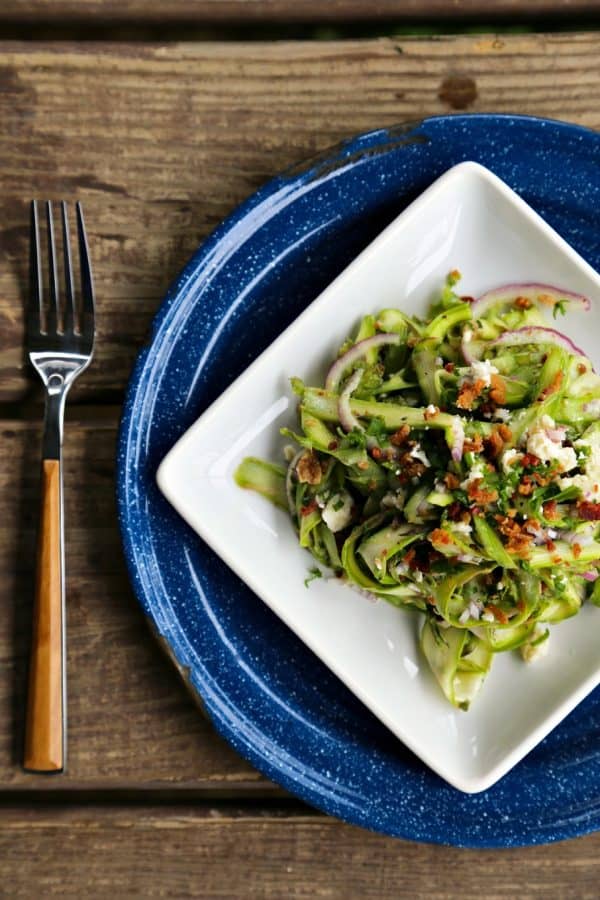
[[45, 722]]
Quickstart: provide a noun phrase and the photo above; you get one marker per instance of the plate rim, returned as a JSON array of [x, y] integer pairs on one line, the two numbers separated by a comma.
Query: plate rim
[[335, 158]]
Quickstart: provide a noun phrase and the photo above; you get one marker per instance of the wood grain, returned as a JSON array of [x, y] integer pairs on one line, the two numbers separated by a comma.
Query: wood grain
[[131, 722], [45, 725], [210, 853], [160, 142], [267, 11]]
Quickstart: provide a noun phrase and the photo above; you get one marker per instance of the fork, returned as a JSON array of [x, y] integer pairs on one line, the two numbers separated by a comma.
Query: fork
[[60, 341]]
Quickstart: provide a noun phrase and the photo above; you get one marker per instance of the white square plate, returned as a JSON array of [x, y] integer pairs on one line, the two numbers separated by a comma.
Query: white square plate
[[467, 220]]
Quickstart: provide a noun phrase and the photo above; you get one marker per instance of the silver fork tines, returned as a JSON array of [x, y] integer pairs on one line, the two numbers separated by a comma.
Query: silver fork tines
[[60, 341], [77, 332]]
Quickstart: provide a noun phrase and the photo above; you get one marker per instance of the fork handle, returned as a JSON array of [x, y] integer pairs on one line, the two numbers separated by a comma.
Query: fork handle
[[45, 721]]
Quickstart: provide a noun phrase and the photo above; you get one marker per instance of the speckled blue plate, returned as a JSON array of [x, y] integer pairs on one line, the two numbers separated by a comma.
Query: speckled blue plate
[[276, 703]]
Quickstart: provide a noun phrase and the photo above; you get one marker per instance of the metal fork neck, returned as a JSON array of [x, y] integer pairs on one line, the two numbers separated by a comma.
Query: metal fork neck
[[58, 372], [54, 417]]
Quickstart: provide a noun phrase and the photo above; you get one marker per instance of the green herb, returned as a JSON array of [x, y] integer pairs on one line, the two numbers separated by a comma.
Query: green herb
[[313, 574], [560, 308], [376, 428], [354, 438]]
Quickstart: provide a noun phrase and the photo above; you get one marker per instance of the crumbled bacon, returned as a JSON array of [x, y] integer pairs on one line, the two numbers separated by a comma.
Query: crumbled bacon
[[309, 508], [530, 459], [518, 540], [376, 453], [581, 368], [411, 467], [576, 550], [550, 546], [519, 544], [409, 558], [332, 445], [473, 445], [523, 303], [553, 387], [451, 481], [550, 510], [497, 613], [542, 480], [505, 432], [588, 511], [399, 437], [439, 536], [494, 444], [430, 414], [449, 367], [526, 486], [498, 390], [481, 495], [469, 392], [308, 469]]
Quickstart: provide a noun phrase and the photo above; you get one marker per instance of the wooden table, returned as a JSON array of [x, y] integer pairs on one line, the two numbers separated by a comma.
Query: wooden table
[[160, 142]]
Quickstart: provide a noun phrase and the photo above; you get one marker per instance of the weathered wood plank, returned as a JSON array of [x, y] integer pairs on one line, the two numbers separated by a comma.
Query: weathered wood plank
[[131, 721], [203, 852], [160, 142], [264, 11]]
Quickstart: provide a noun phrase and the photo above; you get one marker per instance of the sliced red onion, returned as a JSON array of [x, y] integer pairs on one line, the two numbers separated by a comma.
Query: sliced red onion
[[472, 350], [532, 291], [590, 576], [556, 435], [573, 537], [347, 417], [538, 335], [358, 351], [458, 439]]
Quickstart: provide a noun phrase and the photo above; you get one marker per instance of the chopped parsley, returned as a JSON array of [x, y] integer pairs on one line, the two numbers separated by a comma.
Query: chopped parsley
[[313, 574]]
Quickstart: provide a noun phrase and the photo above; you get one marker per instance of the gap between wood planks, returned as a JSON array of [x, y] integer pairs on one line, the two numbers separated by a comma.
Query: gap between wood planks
[[236, 805], [105, 410]]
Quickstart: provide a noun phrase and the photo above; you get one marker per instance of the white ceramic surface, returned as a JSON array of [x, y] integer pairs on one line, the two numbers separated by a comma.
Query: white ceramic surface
[[469, 220]]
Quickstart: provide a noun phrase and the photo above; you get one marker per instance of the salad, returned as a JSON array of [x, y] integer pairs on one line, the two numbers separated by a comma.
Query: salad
[[451, 466]]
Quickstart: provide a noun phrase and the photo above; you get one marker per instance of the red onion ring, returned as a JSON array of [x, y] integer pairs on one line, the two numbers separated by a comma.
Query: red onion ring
[[358, 351], [538, 335], [466, 348], [347, 418], [458, 440], [531, 290]]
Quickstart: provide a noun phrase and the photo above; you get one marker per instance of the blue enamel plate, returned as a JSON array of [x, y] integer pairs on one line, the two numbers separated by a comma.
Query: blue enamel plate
[[275, 701]]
